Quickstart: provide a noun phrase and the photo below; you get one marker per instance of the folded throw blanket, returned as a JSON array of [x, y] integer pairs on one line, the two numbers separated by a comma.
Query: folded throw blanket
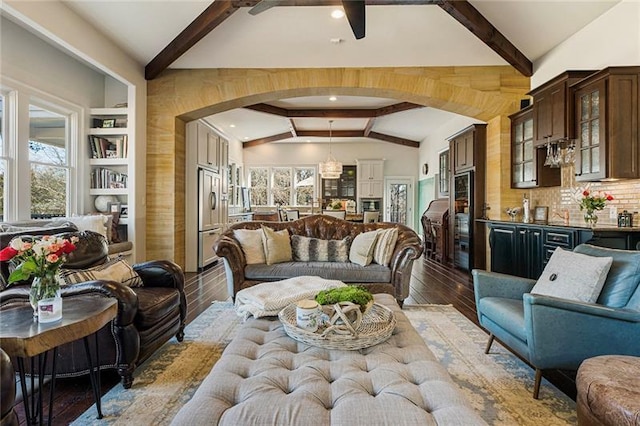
[[269, 298]]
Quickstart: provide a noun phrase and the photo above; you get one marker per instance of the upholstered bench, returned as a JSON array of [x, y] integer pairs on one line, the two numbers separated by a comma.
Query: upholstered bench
[[266, 378], [609, 391]]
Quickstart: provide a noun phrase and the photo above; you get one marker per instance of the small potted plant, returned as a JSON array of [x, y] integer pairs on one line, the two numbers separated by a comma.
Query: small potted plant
[[355, 294]]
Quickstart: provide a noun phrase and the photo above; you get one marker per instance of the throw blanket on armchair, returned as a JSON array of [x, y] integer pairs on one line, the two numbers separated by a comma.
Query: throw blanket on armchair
[[267, 299]]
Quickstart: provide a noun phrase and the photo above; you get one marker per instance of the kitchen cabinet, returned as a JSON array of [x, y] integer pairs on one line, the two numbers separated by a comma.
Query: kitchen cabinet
[[467, 153], [527, 162], [553, 108], [607, 125], [208, 147], [467, 148], [524, 249], [444, 172], [370, 178], [344, 187]]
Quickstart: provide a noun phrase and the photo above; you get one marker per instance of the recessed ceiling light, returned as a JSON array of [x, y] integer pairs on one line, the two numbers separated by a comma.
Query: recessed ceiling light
[[333, 98], [337, 13], [308, 140], [246, 138], [232, 125]]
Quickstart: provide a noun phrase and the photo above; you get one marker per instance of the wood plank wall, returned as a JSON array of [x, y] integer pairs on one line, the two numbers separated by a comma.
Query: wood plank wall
[[178, 96]]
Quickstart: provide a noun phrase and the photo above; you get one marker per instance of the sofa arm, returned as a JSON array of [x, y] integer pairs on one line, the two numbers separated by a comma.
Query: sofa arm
[[563, 333], [494, 284], [235, 261], [160, 273], [406, 251]]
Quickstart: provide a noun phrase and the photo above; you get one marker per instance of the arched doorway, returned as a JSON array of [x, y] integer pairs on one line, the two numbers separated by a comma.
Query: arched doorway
[[179, 96]]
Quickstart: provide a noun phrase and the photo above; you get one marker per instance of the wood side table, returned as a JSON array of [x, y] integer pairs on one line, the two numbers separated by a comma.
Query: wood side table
[[24, 338]]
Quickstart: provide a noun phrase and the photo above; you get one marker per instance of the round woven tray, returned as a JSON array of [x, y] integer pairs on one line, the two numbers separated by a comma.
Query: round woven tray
[[376, 327]]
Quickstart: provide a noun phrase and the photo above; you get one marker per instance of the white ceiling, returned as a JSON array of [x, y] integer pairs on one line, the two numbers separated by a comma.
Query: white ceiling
[[301, 37]]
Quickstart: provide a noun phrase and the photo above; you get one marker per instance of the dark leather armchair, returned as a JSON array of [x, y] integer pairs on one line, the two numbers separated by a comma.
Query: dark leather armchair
[[147, 317]]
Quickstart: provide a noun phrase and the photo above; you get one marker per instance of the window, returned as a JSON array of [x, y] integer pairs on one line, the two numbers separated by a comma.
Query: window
[[258, 180], [281, 186], [38, 158], [289, 186], [304, 185], [48, 162]]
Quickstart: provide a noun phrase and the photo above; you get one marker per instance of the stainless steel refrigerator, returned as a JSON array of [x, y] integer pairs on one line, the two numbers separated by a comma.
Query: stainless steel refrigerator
[[212, 214]]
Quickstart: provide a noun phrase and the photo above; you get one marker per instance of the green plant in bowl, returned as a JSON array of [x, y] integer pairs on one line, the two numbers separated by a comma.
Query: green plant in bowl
[[351, 293]]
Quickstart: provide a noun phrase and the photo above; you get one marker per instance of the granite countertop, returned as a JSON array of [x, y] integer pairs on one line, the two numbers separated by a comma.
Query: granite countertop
[[571, 225], [239, 214]]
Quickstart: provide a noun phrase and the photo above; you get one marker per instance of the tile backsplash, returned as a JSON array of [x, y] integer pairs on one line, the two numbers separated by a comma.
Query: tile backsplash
[[626, 195]]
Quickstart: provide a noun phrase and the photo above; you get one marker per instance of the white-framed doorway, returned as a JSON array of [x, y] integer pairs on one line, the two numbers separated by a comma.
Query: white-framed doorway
[[399, 200]]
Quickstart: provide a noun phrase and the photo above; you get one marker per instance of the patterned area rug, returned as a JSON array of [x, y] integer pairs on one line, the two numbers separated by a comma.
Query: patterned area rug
[[498, 385]]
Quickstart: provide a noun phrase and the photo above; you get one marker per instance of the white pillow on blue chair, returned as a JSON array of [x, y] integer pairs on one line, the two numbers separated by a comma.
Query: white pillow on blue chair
[[573, 276]]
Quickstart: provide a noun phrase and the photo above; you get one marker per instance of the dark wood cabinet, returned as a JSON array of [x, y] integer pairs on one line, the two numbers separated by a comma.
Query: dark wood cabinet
[[461, 146], [527, 162], [553, 108], [607, 125], [467, 157], [502, 240]]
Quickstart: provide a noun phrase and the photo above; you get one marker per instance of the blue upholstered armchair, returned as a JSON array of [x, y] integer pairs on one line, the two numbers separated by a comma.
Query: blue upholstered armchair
[[553, 333]]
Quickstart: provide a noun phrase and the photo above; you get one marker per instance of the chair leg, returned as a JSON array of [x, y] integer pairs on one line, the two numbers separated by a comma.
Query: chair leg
[[536, 384], [489, 343]]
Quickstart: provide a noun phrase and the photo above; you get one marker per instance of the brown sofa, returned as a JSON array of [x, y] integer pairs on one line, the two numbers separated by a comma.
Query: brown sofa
[[147, 317], [393, 279]]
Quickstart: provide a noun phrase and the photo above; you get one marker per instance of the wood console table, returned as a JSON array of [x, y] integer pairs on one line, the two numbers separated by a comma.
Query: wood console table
[[24, 338]]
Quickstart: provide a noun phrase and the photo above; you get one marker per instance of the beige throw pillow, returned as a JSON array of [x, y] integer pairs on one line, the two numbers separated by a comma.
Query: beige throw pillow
[[251, 242], [115, 270], [277, 245], [385, 244], [573, 276], [362, 248]]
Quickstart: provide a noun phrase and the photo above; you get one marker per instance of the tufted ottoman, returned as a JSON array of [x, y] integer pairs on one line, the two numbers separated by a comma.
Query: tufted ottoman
[[266, 378], [609, 391]]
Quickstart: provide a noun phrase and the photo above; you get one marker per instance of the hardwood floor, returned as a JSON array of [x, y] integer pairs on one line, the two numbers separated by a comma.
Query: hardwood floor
[[431, 282]]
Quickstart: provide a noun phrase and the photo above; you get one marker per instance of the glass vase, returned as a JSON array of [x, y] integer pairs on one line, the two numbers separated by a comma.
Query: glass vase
[[43, 287], [591, 218]]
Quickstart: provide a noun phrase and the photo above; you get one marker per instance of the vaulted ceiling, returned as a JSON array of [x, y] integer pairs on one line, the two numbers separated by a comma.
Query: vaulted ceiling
[[399, 33]]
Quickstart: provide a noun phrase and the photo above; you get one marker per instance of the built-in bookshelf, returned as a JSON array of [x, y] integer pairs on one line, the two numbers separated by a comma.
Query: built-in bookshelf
[[108, 148]]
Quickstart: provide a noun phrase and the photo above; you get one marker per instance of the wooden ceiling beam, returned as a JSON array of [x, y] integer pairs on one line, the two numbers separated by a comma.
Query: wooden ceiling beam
[[261, 141], [333, 112], [463, 12], [399, 107], [394, 139], [212, 16], [334, 133], [269, 109]]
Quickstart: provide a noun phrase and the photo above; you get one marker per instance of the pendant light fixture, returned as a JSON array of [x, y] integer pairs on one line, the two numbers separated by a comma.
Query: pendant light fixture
[[330, 169]]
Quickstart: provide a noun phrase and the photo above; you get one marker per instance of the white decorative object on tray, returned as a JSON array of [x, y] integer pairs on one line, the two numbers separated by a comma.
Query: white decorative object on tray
[[375, 327]]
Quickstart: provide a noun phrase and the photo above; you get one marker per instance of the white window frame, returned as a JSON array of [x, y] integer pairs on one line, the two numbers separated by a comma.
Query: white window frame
[[18, 97], [292, 197]]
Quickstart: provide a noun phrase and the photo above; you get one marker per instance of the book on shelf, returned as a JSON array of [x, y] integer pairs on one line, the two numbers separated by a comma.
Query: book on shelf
[[108, 146], [102, 178]]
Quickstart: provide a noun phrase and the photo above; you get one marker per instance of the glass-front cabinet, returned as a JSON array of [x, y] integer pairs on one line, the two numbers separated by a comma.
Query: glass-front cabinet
[[607, 125], [527, 161], [591, 152], [343, 188]]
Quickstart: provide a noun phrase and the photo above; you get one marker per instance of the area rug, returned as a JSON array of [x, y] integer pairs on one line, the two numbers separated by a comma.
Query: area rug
[[498, 385]]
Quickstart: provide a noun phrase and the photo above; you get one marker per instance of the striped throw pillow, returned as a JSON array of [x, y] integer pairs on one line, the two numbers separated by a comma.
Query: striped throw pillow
[[385, 244], [115, 270], [307, 249]]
